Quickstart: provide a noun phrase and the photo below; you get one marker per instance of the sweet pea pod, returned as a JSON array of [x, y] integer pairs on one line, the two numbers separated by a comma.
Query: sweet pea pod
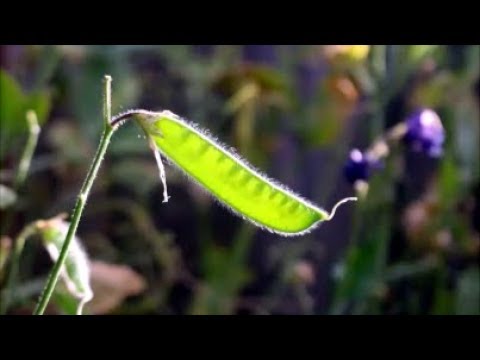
[[231, 180]]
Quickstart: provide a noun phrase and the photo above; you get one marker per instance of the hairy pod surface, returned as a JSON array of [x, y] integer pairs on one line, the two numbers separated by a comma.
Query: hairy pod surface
[[231, 180]]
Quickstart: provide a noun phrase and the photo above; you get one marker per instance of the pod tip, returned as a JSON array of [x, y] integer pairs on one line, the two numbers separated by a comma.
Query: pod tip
[[343, 201]]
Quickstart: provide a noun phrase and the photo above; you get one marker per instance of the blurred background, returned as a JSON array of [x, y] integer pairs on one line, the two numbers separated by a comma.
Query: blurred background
[[410, 245]]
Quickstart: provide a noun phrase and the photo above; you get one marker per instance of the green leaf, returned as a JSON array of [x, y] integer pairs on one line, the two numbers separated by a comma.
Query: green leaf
[[420, 52], [12, 100], [7, 197], [361, 278], [224, 278], [14, 104], [76, 271], [64, 300], [40, 102], [267, 79], [225, 274]]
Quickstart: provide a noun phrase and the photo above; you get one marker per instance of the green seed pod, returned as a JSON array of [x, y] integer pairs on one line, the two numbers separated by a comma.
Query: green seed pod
[[76, 271], [231, 180]]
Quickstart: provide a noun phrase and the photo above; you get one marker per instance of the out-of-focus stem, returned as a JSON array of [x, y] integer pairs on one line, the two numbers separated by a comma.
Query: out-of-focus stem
[[21, 175], [24, 165], [26, 159], [9, 290]]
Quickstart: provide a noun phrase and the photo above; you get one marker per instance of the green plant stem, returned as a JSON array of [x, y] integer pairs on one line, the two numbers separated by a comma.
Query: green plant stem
[[24, 164], [21, 175], [26, 159], [9, 290], [81, 201]]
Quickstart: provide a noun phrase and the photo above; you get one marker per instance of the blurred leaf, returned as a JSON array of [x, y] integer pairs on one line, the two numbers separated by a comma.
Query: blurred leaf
[[5, 250], [361, 279], [226, 273], [12, 100], [7, 197], [433, 92], [224, 278], [444, 300], [468, 293], [419, 52], [76, 271], [111, 285], [359, 272], [402, 270], [267, 79], [450, 186], [14, 104], [335, 103], [64, 300], [40, 102]]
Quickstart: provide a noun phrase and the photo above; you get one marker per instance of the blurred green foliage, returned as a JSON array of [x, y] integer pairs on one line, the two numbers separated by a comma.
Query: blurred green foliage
[[410, 247], [15, 103]]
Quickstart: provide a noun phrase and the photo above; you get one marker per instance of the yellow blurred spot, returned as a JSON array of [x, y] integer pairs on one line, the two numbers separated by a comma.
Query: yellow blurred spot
[[244, 94], [351, 53]]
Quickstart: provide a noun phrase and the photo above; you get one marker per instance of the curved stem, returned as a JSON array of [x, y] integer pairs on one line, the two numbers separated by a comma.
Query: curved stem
[[81, 201], [118, 119], [24, 165], [28, 231]]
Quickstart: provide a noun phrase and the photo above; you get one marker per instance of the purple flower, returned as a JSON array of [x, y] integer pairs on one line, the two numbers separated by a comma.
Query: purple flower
[[425, 132], [359, 166]]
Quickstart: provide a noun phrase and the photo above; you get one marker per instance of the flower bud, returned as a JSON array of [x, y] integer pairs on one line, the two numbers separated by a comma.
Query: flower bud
[[359, 166], [425, 132]]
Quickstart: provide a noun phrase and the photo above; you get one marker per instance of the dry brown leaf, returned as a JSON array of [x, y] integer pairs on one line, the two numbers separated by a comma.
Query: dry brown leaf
[[5, 249], [111, 284]]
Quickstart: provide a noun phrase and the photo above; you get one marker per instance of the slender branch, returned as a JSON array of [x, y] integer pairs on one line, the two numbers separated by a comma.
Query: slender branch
[[24, 164], [34, 131], [9, 290], [108, 131], [20, 176]]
